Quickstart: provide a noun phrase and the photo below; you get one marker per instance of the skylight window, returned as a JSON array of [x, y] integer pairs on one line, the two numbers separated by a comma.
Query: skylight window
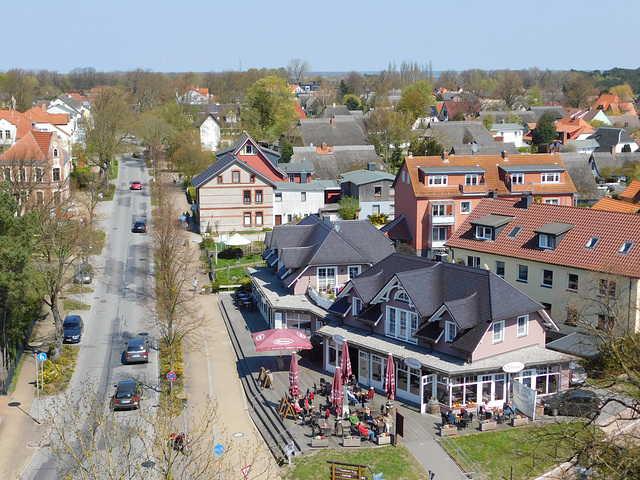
[[591, 244], [626, 248], [514, 232]]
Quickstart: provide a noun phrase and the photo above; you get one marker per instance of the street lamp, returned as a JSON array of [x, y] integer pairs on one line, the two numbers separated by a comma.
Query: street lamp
[[184, 397], [35, 347]]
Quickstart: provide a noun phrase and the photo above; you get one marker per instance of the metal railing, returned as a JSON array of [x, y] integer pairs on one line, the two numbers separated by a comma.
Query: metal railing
[[472, 471]]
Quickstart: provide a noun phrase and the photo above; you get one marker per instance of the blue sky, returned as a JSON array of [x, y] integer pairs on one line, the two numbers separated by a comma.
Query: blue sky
[[345, 35]]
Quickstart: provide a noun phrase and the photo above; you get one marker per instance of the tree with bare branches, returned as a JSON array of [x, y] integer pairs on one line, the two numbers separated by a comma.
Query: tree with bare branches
[[297, 69]]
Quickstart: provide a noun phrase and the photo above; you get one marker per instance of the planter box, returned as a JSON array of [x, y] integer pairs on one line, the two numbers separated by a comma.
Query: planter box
[[350, 442], [486, 426], [448, 432], [519, 422], [319, 443], [384, 440]]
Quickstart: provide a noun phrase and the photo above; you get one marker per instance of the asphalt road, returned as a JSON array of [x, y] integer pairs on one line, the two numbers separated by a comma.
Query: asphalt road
[[119, 307]]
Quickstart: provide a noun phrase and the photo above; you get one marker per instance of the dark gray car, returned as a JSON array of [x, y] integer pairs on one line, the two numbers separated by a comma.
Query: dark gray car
[[137, 351], [127, 396], [73, 327], [573, 402]]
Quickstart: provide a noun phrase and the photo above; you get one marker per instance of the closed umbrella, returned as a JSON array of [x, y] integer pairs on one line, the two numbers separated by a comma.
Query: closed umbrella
[[345, 363], [294, 376], [336, 393], [390, 379]]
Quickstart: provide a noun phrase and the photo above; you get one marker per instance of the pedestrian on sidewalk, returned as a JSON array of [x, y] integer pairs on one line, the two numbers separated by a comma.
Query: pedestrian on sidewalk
[[195, 284]]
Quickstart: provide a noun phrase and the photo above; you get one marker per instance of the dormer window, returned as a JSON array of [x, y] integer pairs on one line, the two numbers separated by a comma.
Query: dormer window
[[438, 180], [471, 179], [451, 331], [484, 233], [546, 241], [551, 177], [402, 296], [551, 234], [591, 244], [517, 178], [490, 226], [626, 248], [249, 150], [357, 306]]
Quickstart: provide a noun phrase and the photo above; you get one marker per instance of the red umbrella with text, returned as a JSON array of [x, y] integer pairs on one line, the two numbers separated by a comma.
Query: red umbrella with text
[[390, 379], [294, 376], [336, 393]]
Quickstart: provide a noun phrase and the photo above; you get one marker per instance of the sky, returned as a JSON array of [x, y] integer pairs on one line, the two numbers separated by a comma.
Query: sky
[[331, 35]]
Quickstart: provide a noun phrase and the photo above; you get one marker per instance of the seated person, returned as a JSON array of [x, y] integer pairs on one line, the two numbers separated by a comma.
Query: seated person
[[509, 410], [354, 418], [352, 398], [451, 418], [357, 389], [365, 431], [367, 417]]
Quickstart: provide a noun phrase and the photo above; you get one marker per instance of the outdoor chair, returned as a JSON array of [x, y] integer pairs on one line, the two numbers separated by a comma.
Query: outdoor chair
[[443, 417]]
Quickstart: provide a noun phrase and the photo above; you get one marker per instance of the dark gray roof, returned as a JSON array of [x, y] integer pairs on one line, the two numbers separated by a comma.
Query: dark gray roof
[[617, 161], [364, 176], [459, 133], [398, 229], [343, 159], [532, 168], [580, 172], [344, 131], [492, 220], [475, 296], [329, 111], [577, 343], [271, 155], [556, 111], [554, 228], [608, 137], [297, 167], [496, 149], [220, 166], [314, 242]]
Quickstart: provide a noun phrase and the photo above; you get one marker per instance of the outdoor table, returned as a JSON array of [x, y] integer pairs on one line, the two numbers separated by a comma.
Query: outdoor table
[[325, 430], [364, 410]]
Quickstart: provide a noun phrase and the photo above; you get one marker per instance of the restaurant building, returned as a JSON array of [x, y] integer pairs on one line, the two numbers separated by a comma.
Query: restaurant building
[[450, 328]]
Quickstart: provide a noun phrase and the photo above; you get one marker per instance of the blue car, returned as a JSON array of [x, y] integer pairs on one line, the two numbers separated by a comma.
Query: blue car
[[73, 327]]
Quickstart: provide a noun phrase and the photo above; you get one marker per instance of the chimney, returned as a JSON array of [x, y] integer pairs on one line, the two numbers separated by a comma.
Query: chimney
[[526, 202], [504, 156], [493, 194], [333, 121], [324, 147], [371, 166], [445, 157], [410, 154]]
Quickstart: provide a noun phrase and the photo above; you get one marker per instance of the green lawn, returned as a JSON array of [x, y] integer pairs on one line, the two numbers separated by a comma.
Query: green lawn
[[394, 461], [531, 451]]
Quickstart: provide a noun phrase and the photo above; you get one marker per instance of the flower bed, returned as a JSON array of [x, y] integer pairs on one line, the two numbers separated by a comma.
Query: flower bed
[[448, 431], [519, 421], [383, 439], [486, 425], [319, 441], [350, 441]]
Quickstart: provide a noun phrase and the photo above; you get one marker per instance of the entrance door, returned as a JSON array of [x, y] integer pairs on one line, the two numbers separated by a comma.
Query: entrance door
[[426, 392], [278, 219]]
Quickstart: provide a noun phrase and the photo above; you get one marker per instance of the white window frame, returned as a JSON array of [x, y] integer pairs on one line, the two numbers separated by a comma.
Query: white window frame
[[438, 210], [354, 271], [526, 272], [356, 306], [292, 178], [248, 149], [326, 278], [523, 325], [259, 219], [465, 207], [517, 178], [450, 331], [546, 241], [550, 177], [438, 180], [437, 237], [56, 174], [278, 196], [471, 179], [552, 201], [475, 261], [484, 233], [247, 219], [498, 332], [626, 248], [500, 263], [401, 324]]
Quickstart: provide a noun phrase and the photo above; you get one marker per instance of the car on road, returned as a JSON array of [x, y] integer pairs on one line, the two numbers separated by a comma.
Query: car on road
[[84, 274], [139, 226], [137, 351], [577, 403], [127, 395], [72, 327], [578, 374], [135, 186]]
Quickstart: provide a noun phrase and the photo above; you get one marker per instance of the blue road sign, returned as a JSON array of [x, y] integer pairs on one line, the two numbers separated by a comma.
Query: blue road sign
[[218, 449], [171, 376], [183, 218], [42, 356]]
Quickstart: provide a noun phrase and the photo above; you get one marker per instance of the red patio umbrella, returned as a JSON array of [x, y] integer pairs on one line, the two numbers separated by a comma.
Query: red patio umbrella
[[294, 376], [345, 363], [390, 379], [336, 393], [281, 339]]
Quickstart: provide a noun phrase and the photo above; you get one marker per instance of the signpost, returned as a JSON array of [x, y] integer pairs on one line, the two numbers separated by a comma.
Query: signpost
[[40, 356], [245, 471], [171, 376]]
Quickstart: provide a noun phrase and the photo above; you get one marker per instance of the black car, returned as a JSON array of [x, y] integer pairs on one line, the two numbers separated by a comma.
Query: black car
[[127, 396], [137, 351], [73, 327], [139, 227], [574, 402]]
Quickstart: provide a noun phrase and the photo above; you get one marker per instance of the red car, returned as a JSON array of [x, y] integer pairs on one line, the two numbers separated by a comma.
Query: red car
[[136, 186]]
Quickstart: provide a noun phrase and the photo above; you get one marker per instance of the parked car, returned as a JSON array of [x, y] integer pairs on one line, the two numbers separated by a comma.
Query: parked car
[[139, 226], [136, 185], [578, 374], [573, 402], [73, 327], [137, 351], [84, 274], [127, 395]]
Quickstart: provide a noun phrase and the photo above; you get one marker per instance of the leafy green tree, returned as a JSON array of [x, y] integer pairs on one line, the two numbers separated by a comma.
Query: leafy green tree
[[388, 128], [351, 101], [623, 91], [287, 152], [433, 147], [533, 97], [271, 110], [488, 121], [343, 90], [189, 158], [413, 105], [21, 88], [514, 118], [510, 89], [458, 117], [348, 208], [423, 87], [545, 131]]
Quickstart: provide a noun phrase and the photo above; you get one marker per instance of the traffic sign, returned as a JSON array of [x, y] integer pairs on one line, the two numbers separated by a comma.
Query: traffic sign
[[42, 356], [218, 449], [245, 471], [171, 376]]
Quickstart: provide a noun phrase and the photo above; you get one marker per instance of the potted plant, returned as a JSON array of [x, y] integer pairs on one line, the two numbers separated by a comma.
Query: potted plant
[[383, 439], [489, 424], [350, 441], [519, 420], [319, 441]]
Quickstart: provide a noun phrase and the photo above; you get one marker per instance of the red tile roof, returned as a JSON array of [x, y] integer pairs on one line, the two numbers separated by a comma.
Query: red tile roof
[[613, 229], [52, 118], [613, 205], [18, 119], [490, 163], [632, 192], [34, 146]]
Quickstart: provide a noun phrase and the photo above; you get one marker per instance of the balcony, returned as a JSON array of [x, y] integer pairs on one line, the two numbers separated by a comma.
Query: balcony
[[449, 219], [437, 244], [478, 189], [526, 187], [319, 299]]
